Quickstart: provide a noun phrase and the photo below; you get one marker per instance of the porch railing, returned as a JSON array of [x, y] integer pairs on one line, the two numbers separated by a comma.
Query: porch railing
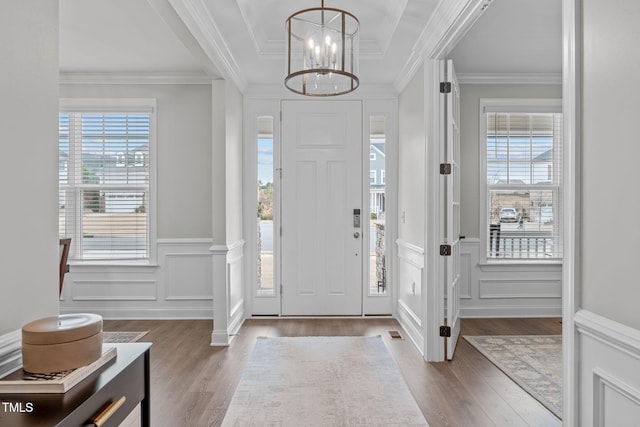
[[520, 243]]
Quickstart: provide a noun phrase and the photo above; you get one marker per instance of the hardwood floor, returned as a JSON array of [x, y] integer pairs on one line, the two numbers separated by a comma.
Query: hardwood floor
[[192, 383]]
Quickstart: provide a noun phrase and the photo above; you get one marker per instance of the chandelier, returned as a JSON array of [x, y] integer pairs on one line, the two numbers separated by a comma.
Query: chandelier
[[322, 52]]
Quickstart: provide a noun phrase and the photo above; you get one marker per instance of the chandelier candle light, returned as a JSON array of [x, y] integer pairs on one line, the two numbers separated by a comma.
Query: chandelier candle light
[[322, 52]]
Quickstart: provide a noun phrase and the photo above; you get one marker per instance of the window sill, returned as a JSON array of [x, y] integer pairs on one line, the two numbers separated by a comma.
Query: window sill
[[520, 265]]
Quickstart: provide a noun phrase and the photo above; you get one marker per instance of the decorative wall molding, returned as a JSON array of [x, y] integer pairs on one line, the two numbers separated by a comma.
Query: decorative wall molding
[[178, 287], [114, 290], [228, 291], [410, 253], [609, 332], [608, 391], [409, 290], [517, 288], [507, 289], [10, 352]]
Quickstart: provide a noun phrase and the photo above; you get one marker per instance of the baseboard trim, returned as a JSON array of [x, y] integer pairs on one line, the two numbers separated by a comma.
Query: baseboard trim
[[412, 325]]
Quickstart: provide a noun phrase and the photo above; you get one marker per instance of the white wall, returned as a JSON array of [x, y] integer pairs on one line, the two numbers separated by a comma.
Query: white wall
[[411, 171], [184, 151], [608, 324], [179, 285], [234, 111], [28, 176], [411, 206], [610, 153]]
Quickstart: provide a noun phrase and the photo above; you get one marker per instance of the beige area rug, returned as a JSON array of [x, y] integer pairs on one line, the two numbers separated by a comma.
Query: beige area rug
[[322, 381], [122, 337], [534, 362]]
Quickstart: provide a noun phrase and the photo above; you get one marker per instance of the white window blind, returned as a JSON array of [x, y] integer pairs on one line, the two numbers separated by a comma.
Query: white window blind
[[104, 184], [523, 184]]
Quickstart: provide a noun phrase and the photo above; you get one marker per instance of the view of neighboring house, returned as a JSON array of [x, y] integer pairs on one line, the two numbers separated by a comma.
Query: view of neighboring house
[[377, 178]]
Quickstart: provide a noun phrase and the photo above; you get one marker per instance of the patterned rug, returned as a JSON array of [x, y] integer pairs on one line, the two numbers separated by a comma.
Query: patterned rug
[[121, 337], [534, 362], [322, 381]]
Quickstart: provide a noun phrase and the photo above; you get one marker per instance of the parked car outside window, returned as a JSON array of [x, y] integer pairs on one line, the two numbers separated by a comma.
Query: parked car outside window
[[509, 215]]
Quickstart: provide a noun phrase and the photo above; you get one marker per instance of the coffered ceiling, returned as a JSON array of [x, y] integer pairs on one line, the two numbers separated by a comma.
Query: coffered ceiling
[[245, 39]]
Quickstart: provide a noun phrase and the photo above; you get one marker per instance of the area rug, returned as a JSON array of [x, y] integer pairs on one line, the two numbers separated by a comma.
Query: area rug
[[122, 337], [322, 381], [534, 362]]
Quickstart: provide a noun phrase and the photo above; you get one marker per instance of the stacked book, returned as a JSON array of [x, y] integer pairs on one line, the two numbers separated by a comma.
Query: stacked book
[[21, 381]]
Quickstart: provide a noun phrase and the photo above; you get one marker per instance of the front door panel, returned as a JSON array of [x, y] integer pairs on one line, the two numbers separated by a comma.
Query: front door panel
[[321, 188]]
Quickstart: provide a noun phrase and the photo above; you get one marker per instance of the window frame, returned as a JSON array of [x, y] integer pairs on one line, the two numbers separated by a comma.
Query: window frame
[[123, 105], [512, 105]]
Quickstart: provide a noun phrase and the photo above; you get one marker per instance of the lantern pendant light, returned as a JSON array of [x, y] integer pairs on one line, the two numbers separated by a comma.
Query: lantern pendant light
[[322, 52]]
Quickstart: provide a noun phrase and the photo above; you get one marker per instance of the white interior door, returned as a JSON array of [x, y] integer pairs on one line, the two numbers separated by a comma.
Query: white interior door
[[321, 241], [452, 205]]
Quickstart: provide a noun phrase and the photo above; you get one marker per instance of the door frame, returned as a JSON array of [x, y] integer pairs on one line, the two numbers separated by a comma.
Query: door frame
[[264, 102], [450, 29], [457, 18]]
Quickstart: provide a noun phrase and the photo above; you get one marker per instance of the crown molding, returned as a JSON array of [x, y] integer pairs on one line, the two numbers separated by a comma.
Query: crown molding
[[510, 78], [118, 78]]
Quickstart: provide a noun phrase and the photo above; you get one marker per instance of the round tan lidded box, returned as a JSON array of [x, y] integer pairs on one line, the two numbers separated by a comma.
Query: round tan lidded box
[[61, 343]]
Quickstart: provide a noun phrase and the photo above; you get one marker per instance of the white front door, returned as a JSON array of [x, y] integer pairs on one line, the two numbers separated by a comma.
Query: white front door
[[321, 240]]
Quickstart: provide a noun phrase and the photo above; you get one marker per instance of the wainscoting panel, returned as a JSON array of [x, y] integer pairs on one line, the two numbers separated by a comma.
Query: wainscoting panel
[[114, 290], [194, 266], [229, 311], [410, 277], [507, 290], [609, 371], [180, 286], [512, 288]]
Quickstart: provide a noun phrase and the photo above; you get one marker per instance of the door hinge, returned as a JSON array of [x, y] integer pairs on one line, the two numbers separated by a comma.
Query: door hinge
[[445, 331], [280, 288], [280, 231], [445, 168], [445, 87], [445, 250]]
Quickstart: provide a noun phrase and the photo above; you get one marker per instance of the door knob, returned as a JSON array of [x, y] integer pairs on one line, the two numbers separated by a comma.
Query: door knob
[[356, 234]]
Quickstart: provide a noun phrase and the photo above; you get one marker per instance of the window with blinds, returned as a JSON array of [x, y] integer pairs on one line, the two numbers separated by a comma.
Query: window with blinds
[[523, 159], [104, 184]]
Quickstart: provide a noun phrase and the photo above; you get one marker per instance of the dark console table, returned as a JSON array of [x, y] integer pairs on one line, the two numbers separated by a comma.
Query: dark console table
[[125, 376]]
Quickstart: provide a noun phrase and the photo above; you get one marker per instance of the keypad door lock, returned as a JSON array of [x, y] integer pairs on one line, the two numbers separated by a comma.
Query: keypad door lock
[[356, 218]]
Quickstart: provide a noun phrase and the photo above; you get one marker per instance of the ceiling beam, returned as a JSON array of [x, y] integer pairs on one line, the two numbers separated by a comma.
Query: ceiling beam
[[193, 24], [449, 22]]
